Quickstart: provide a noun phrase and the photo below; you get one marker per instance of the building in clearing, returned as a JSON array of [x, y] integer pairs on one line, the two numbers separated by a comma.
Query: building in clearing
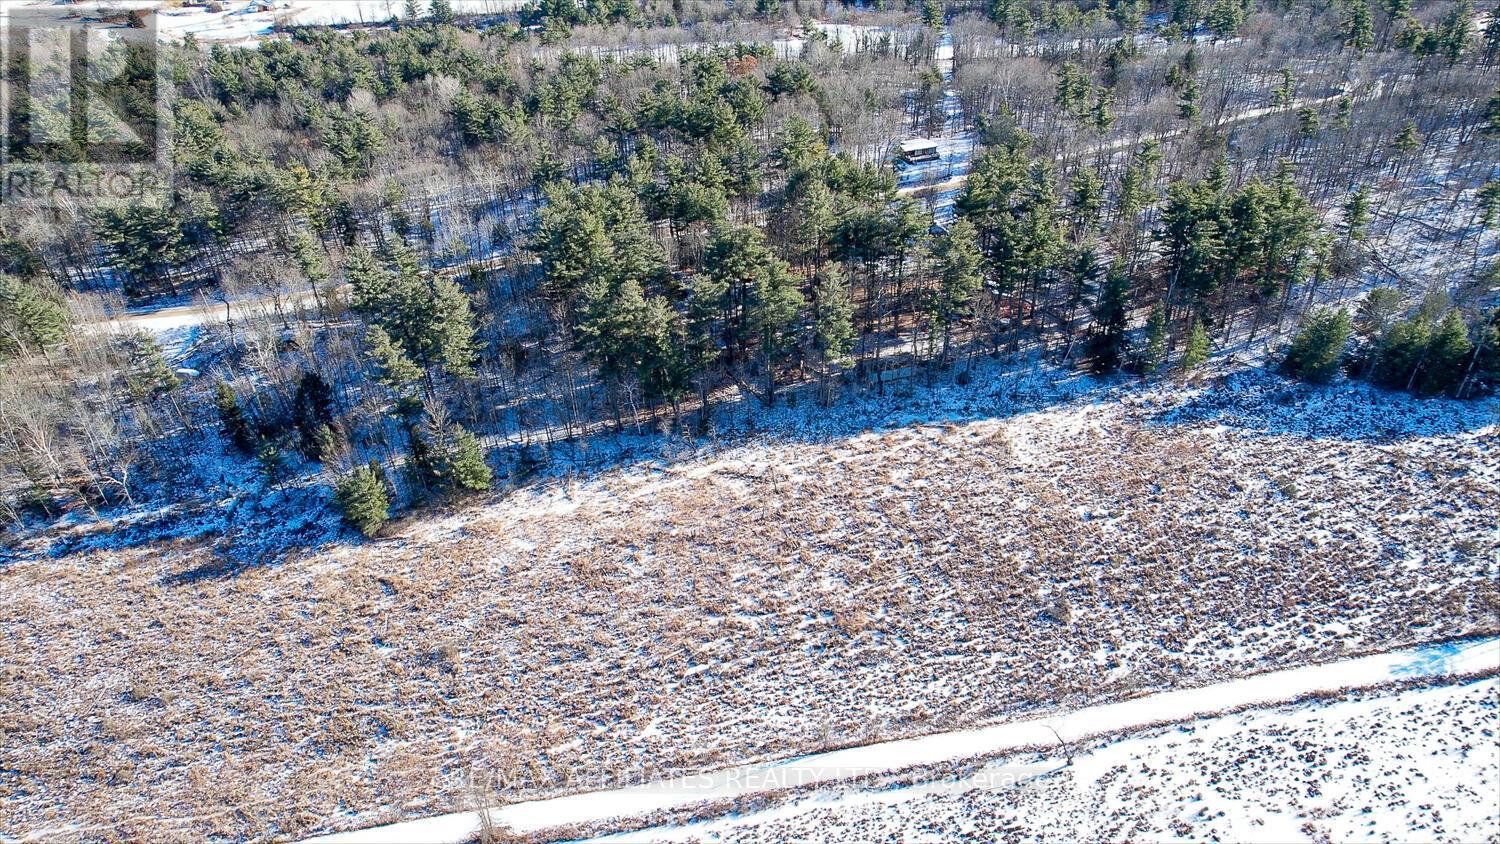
[[919, 149]]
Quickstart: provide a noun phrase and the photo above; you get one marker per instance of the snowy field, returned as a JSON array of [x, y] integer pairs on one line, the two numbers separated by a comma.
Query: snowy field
[[1419, 765], [1025, 545]]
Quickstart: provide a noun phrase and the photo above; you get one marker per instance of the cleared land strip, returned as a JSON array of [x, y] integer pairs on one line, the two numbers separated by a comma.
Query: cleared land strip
[[953, 183], [1450, 659]]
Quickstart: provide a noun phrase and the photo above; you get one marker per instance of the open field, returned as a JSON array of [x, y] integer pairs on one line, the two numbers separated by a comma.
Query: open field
[[963, 562]]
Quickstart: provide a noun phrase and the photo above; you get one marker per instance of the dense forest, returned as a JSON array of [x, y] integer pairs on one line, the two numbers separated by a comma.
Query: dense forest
[[428, 254]]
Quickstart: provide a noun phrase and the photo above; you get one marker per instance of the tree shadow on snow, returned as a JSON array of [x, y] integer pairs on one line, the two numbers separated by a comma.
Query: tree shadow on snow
[[1256, 400], [991, 390], [1260, 401]]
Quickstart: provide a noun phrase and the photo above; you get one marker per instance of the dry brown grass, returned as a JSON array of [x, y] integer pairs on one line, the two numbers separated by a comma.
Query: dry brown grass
[[785, 598]]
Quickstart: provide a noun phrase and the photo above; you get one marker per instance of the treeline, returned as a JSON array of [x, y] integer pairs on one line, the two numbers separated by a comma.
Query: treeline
[[1429, 349], [464, 245]]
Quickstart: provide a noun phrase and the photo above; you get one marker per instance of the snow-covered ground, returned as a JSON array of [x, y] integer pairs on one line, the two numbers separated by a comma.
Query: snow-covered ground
[[246, 23], [953, 748], [1417, 765], [1029, 544]]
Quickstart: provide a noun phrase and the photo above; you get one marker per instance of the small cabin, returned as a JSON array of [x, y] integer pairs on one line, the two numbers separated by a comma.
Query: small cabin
[[919, 149]]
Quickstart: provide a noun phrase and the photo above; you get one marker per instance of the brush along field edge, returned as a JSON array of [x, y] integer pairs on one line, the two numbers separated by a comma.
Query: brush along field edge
[[1449, 659]]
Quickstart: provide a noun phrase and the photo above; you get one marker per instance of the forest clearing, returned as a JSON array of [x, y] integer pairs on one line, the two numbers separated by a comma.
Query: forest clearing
[[842, 590]]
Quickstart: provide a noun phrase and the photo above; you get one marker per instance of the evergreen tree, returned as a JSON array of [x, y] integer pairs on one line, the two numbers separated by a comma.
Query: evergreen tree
[[1357, 214], [833, 316], [1084, 274], [147, 374], [1444, 368], [630, 335], [1318, 347], [1307, 121], [1193, 231], [1100, 116], [736, 258], [271, 462], [1014, 208], [1129, 15], [1359, 29], [303, 196], [310, 260], [392, 367], [468, 469], [1154, 355], [1427, 352], [1489, 203], [1286, 91], [962, 274], [1196, 349], [772, 309], [590, 233], [813, 218], [1111, 319], [325, 444], [1409, 140], [428, 320], [232, 418], [147, 242], [1491, 127], [1379, 309], [1086, 202], [312, 411], [1186, 14], [1224, 18], [1452, 33], [799, 147], [1011, 16], [932, 13], [29, 318], [363, 498], [1137, 184], [1187, 104]]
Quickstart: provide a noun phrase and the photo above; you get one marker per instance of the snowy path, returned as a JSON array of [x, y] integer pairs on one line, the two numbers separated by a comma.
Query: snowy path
[[1430, 661], [956, 145], [1376, 766], [940, 191]]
